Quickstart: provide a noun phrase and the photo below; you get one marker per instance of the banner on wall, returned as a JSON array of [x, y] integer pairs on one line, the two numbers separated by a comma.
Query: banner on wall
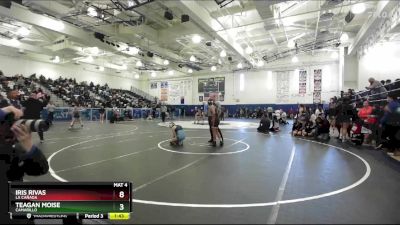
[[164, 91], [164, 84], [302, 82], [200, 98], [282, 87], [317, 86], [153, 85]]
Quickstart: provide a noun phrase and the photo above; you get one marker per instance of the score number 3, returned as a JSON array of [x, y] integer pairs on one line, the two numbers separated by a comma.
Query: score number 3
[[121, 195]]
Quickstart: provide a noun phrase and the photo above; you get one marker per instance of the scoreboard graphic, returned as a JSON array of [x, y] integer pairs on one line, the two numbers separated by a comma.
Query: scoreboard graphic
[[81, 200], [212, 88]]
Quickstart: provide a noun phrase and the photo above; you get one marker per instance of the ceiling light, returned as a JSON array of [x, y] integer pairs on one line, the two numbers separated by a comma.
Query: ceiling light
[[344, 37], [139, 63], [92, 12], [124, 66], [94, 50], [101, 68], [219, 61], [166, 62], [137, 76], [260, 63], [239, 65], [171, 72], [213, 68], [153, 74], [248, 50], [295, 59], [222, 53], [130, 3], [291, 43], [358, 8], [334, 55], [192, 58], [23, 31], [133, 50], [89, 58], [56, 59], [15, 42], [196, 39], [190, 71]]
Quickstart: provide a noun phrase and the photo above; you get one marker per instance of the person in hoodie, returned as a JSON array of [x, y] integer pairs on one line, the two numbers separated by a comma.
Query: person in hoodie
[[32, 108]]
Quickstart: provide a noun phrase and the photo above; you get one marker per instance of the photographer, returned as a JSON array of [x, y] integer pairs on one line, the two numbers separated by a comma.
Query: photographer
[[32, 108], [16, 160]]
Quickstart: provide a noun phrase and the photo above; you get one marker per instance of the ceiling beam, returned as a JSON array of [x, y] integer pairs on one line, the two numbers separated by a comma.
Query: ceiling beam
[[22, 14], [27, 47], [227, 11], [201, 17], [369, 27]]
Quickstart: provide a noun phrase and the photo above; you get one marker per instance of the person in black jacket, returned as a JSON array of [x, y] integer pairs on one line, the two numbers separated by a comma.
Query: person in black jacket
[[33, 107], [265, 123], [345, 114], [16, 160]]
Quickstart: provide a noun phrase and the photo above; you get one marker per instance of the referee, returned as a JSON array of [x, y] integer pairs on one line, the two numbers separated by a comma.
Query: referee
[[209, 114]]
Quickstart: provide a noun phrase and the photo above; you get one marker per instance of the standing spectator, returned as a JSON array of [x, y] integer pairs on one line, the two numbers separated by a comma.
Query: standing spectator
[[331, 117], [365, 114], [163, 111], [391, 123], [50, 108], [345, 113], [270, 111], [102, 113]]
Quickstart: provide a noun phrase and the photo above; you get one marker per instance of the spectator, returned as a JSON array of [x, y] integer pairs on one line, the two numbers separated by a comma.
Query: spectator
[[32, 109], [322, 129], [50, 109], [391, 123], [376, 88], [265, 123], [365, 115], [344, 115]]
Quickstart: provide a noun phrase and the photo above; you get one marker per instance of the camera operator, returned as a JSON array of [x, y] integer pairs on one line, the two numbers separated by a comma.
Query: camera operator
[[16, 160], [33, 106]]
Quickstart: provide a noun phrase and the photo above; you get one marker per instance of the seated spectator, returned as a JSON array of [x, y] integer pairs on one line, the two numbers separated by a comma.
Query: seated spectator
[[297, 128], [376, 88], [275, 124], [309, 129], [199, 116], [265, 123], [322, 129], [283, 119]]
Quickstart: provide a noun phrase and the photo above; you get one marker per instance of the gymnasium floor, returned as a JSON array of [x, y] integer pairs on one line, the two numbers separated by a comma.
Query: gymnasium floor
[[253, 178]]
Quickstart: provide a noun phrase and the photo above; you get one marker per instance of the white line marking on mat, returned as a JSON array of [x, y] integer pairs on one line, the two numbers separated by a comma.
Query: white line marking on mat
[[168, 174], [236, 142], [275, 209], [104, 160], [260, 204], [204, 153]]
